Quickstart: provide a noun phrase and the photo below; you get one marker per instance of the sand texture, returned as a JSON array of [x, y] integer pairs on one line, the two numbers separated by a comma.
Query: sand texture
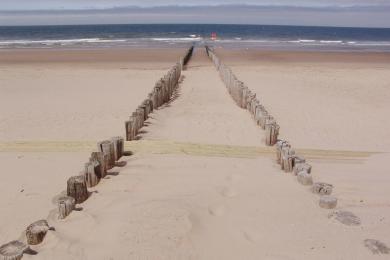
[[201, 183]]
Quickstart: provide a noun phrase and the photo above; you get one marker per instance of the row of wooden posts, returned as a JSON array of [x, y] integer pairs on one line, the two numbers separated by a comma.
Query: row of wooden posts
[[100, 162], [160, 95], [246, 99], [285, 156]]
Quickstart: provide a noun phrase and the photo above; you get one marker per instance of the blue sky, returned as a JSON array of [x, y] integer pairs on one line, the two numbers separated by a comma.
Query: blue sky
[[359, 13]]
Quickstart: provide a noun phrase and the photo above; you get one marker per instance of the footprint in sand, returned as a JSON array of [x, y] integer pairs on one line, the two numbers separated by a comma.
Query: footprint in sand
[[228, 192], [217, 210]]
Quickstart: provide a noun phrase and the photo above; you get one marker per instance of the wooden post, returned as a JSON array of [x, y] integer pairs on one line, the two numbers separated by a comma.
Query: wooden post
[[322, 188], [279, 146], [36, 232], [271, 133], [328, 202], [285, 156], [127, 130], [263, 119], [292, 160], [13, 250], [144, 112], [91, 178], [77, 188], [118, 147], [141, 117], [66, 205], [298, 167], [130, 129], [101, 168], [304, 178], [107, 148]]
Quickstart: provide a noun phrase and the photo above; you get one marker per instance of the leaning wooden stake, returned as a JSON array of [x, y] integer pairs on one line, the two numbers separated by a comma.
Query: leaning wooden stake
[[77, 188], [66, 205], [13, 250], [36, 232]]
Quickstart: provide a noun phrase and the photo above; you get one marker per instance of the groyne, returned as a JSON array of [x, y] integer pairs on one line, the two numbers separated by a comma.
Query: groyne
[[286, 156], [107, 156]]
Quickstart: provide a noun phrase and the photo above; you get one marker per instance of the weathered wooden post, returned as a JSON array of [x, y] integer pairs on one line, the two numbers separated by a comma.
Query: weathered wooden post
[[107, 148], [100, 164], [285, 156], [91, 178], [259, 113], [271, 133], [128, 130], [328, 202], [140, 116], [36, 232], [77, 188], [304, 178], [292, 160], [118, 147], [298, 167], [280, 144], [13, 250], [66, 205], [322, 188]]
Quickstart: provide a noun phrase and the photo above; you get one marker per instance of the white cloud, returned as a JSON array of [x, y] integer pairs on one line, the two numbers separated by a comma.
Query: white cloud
[[355, 17]]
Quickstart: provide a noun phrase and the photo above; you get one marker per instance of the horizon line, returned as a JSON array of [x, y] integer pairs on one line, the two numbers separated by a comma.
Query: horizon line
[[224, 24], [186, 6]]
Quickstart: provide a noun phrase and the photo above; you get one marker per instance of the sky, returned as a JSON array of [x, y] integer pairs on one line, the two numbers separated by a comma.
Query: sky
[[350, 13]]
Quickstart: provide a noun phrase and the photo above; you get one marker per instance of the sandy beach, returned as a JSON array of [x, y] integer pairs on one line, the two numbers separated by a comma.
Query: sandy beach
[[192, 202]]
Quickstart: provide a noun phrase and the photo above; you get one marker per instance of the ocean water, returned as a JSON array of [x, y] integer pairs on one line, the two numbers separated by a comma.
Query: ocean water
[[166, 35]]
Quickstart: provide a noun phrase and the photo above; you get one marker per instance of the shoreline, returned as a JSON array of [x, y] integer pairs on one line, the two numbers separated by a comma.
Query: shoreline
[[142, 54]]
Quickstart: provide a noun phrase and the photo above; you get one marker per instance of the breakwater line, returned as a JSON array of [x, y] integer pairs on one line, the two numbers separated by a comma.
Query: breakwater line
[[98, 166]]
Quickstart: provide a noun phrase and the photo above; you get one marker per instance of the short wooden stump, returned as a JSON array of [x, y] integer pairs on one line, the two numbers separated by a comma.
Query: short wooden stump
[[328, 202], [77, 188], [322, 188], [66, 205], [305, 178], [36, 232]]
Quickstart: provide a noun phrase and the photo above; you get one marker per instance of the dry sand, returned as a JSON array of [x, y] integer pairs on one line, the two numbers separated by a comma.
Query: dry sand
[[182, 206]]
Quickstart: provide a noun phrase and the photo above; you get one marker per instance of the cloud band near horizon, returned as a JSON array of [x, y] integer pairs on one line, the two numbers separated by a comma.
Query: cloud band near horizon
[[350, 16]]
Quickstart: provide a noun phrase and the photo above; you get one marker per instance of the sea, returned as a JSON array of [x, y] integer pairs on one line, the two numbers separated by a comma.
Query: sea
[[171, 35]]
